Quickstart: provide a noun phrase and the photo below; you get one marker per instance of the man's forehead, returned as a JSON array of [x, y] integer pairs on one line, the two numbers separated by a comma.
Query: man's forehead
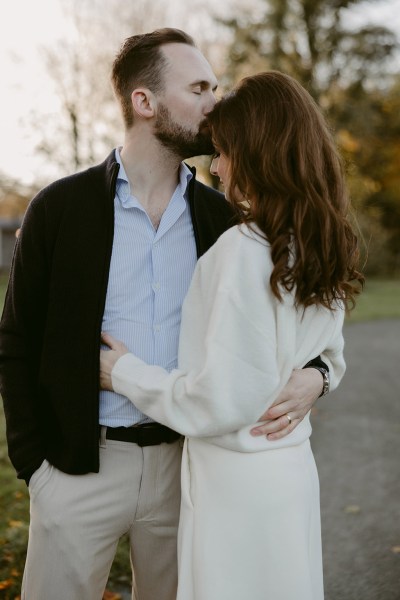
[[189, 63]]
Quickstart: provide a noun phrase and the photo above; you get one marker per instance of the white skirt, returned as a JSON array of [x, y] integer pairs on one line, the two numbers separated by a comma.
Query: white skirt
[[250, 524]]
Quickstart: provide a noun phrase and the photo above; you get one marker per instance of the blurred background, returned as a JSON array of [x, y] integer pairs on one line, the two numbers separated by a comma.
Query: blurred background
[[58, 115]]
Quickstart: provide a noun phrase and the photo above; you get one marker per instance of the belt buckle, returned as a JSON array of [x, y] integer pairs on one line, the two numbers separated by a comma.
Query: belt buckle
[[139, 437], [141, 429]]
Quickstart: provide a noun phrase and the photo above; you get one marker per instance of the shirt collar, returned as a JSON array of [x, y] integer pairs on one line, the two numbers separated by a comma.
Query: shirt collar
[[128, 200]]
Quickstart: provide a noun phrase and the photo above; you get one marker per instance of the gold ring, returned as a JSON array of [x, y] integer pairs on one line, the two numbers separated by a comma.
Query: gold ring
[[289, 418]]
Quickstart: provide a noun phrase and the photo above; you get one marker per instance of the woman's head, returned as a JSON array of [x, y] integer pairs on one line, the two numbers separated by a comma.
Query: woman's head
[[274, 135], [279, 155]]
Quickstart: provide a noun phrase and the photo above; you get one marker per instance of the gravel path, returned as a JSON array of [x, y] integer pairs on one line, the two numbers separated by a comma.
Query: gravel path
[[356, 442]]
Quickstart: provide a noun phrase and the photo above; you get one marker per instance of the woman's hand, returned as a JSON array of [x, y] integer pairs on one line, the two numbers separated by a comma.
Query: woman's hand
[[108, 358], [293, 403]]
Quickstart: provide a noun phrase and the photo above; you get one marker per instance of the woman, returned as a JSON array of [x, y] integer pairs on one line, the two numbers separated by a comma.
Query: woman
[[267, 297]]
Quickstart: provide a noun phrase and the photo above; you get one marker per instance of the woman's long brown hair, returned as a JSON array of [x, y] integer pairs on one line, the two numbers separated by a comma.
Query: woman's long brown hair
[[283, 159]]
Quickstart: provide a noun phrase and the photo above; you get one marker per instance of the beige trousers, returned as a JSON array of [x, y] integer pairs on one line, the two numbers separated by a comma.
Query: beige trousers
[[77, 520]]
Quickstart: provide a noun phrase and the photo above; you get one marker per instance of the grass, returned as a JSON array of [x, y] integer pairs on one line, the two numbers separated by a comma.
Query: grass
[[14, 513], [380, 299]]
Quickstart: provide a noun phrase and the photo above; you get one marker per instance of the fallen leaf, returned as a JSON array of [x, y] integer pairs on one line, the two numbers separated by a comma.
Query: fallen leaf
[[352, 509], [6, 583], [15, 524], [396, 549], [111, 596]]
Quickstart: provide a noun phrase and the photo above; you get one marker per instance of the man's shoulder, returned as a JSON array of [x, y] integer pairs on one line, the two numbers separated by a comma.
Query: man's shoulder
[[206, 193], [211, 213], [71, 185], [211, 204]]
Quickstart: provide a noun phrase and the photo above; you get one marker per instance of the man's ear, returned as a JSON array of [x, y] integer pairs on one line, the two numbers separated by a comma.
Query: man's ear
[[143, 102]]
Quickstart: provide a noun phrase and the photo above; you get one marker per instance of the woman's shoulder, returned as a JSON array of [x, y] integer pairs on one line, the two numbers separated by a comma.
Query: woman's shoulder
[[244, 244], [241, 238], [241, 252]]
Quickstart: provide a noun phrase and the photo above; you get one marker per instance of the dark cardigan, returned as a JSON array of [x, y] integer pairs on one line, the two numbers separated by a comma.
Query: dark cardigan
[[52, 317]]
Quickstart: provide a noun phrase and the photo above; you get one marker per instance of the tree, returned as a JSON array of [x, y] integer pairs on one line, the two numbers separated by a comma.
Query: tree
[[309, 40], [86, 122], [349, 72], [374, 121]]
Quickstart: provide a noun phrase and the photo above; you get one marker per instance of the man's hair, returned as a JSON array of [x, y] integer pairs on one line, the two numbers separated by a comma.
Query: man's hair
[[140, 63], [283, 158]]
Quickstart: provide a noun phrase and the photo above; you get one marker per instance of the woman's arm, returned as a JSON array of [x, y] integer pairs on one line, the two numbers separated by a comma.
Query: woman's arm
[[228, 356], [233, 377]]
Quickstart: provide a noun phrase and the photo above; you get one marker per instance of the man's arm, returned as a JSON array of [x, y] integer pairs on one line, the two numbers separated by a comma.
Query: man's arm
[[296, 399], [21, 331]]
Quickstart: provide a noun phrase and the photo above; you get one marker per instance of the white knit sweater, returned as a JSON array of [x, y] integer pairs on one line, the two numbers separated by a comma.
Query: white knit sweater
[[238, 346]]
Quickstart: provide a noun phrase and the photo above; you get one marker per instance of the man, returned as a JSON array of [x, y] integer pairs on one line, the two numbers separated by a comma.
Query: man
[[113, 247]]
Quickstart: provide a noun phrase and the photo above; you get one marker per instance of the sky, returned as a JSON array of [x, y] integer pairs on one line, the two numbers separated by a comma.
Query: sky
[[25, 25]]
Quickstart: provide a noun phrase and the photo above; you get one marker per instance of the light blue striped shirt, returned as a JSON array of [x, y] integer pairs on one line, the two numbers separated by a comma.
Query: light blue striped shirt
[[150, 273]]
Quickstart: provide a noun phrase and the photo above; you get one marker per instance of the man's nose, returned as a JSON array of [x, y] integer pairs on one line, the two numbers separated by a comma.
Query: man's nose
[[213, 167], [211, 102]]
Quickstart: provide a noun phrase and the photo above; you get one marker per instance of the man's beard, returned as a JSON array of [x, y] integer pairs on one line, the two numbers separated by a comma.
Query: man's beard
[[182, 141]]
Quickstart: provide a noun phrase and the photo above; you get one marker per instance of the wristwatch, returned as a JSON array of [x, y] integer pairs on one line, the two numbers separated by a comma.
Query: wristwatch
[[325, 375]]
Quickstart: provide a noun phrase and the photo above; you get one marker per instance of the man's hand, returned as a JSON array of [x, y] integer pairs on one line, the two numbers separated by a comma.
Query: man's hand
[[108, 358], [293, 403]]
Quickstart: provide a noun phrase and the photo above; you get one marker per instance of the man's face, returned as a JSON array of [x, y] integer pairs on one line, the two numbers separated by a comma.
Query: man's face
[[187, 98]]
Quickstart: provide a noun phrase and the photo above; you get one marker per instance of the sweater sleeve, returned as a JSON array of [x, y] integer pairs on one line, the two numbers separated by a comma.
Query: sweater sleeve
[[233, 373], [333, 355], [21, 332]]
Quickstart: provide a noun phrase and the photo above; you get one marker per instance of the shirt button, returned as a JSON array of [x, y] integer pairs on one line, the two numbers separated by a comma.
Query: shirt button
[[157, 328], [156, 286]]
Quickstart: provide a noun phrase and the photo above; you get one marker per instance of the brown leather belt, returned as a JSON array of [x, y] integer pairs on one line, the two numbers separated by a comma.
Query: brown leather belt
[[147, 434]]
